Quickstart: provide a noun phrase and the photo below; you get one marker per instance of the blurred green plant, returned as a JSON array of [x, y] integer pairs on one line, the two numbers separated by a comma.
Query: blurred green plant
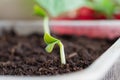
[[105, 6], [56, 7]]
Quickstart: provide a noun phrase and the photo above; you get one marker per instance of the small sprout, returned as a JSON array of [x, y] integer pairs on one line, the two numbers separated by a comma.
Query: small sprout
[[49, 40]]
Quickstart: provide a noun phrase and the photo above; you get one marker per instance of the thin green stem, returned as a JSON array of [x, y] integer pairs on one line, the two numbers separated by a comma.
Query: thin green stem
[[46, 25], [46, 30], [62, 53]]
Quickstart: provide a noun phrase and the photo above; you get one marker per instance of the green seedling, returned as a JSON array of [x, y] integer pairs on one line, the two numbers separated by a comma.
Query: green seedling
[[57, 7], [54, 8], [49, 40]]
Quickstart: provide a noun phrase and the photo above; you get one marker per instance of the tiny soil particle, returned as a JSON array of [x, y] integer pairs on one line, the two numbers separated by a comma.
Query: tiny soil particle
[[26, 55]]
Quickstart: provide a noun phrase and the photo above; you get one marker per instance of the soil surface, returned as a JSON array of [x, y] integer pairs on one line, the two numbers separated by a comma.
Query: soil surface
[[25, 55]]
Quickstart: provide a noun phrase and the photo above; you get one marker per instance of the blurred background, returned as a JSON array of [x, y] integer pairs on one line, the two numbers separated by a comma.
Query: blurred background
[[16, 9], [23, 9]]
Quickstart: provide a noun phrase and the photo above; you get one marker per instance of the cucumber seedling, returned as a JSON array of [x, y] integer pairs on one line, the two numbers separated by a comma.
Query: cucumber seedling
[[55, 8], [49, 40]]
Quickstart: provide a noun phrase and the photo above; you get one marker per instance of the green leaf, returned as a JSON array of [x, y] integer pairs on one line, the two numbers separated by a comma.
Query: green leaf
[[49, 39], [56, 7], [39, 11], [50, 47]]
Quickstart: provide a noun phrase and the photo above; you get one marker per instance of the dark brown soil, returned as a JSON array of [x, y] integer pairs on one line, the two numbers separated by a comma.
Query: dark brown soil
[[21, 55]]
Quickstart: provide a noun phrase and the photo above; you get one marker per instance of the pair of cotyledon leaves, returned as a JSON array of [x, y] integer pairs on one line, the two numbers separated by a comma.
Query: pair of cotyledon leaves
[[49, 40]]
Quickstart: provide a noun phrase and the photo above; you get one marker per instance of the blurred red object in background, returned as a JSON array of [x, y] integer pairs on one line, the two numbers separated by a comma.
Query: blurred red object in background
[[117, 16], [90, 23], [85, 13], [100, 16], [93, 29]]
